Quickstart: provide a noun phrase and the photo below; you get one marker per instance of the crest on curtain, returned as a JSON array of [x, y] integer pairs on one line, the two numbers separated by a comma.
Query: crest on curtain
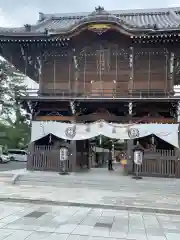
[[70, 132], [133, 133]]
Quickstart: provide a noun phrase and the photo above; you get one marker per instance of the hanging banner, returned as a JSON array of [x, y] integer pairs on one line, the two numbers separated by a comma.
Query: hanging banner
[[68, 131]]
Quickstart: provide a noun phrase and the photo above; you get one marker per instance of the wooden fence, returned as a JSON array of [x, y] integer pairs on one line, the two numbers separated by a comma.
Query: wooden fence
[[45, 158], [160, 163]]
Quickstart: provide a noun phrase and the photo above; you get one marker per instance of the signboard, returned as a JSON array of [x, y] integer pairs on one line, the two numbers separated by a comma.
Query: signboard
[[138, 157], [63, 154]]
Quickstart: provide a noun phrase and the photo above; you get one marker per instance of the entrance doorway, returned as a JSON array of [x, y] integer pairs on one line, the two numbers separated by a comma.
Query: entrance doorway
[[99, 151]]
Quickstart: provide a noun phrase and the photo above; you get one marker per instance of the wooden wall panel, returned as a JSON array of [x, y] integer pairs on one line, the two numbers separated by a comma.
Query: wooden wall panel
[[109, 65], [150, 69], [57, 74]]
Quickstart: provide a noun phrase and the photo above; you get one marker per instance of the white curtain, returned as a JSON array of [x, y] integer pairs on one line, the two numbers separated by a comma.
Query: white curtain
[[167, 132]]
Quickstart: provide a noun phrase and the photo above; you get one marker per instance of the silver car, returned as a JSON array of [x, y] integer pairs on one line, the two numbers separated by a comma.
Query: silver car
[[4, 158]]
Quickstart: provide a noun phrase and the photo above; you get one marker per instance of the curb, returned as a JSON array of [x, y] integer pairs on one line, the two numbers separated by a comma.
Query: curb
[[91, 205]]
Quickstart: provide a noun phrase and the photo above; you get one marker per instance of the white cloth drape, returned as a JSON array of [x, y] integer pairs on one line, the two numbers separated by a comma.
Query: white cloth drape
[[167, 132]]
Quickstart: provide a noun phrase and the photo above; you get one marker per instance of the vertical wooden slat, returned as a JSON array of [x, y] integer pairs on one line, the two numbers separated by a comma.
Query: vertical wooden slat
[[161, 163]]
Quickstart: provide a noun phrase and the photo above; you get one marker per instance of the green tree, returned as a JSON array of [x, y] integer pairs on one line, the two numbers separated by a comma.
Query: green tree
[[13, 117]]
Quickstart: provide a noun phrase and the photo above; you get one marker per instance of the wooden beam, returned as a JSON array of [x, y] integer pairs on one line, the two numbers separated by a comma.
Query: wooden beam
[[55, 118]]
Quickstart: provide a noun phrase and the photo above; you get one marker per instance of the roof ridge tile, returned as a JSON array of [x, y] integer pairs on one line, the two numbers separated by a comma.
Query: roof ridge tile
[[114, 12], [165, 18]]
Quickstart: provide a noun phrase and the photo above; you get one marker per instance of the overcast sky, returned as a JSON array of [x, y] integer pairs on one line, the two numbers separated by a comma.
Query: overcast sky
[[20, 12]]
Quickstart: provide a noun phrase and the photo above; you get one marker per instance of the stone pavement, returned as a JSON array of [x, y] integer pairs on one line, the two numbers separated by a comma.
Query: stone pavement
[[98, 189], [35, 222], [91, 198]]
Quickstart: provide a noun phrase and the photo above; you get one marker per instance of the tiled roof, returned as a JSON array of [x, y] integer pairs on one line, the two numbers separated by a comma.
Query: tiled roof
[[165, 19]]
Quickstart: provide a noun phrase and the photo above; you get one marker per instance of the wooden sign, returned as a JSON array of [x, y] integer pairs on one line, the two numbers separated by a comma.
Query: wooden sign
[[99, 28]]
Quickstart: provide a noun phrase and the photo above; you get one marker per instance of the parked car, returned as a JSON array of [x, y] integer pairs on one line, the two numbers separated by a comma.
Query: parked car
[[4, 158], [17, 155]]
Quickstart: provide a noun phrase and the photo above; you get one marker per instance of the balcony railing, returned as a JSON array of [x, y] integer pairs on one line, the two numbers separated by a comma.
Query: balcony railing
[[104, 93]]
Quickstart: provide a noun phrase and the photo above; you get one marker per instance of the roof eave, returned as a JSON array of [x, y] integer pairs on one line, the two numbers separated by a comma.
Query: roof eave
[[131, 31]]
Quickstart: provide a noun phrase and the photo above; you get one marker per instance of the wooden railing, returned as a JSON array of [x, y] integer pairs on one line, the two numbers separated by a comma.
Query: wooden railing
[[104, 93]]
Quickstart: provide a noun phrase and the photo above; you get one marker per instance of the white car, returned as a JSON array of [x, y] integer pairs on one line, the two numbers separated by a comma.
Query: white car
[[4, 158], [17, 155]]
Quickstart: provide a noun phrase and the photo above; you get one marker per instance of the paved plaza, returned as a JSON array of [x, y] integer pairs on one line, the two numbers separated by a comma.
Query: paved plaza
[[97, 205], [97, 188], [34, 222]]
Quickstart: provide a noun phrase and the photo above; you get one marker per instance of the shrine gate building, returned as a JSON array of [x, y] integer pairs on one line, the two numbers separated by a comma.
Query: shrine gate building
[[108, 73]]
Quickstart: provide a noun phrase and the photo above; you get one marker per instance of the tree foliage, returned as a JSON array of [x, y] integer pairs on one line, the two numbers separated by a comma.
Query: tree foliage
[[13, 117]]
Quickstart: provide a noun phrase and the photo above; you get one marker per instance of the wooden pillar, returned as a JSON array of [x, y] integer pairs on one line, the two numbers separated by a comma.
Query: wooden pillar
[[89, 155], [171, 79], [29, 165], [130, 143], [178, 111], [39, 70], [73, 155], [131, 67], [149, 71], [54, 76], [167, 70]]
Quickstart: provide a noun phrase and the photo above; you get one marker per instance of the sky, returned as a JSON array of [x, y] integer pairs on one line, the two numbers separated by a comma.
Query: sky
[[20, 12]]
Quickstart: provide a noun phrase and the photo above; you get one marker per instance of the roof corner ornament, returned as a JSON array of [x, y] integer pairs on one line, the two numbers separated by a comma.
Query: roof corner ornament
[[99, 9], [27, 27]]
